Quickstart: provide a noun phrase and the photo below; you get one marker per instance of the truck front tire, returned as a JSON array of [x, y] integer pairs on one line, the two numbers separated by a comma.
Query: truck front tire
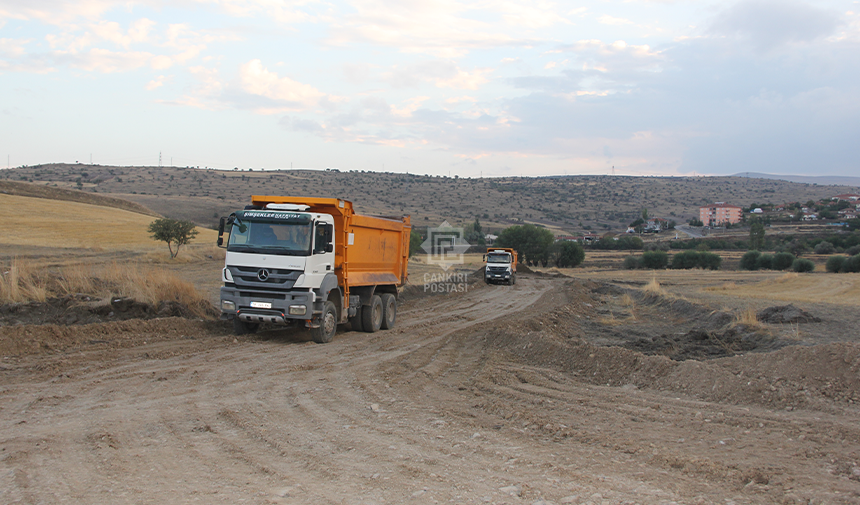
[[389, 311], [328, 325], [371, 315]]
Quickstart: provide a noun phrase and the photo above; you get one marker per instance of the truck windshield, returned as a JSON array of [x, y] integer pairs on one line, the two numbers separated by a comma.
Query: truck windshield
[[499, 258], [291, 238]]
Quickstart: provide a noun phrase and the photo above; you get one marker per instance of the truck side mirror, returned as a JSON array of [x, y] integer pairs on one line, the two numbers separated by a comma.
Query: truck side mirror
[[221, 224], [329, 247]]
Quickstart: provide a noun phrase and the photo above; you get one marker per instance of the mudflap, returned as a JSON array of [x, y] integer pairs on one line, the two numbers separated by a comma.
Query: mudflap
[[315, 321]]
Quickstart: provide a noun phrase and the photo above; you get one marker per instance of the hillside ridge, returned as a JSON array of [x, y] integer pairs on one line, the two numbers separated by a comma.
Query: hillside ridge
[[566, 204], [33, 190]]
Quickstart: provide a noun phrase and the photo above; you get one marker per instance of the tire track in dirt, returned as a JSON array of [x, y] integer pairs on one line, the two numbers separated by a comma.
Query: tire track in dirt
[[435, 410]]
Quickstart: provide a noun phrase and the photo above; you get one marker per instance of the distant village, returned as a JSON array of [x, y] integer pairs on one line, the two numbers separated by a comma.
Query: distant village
[[836, 209]]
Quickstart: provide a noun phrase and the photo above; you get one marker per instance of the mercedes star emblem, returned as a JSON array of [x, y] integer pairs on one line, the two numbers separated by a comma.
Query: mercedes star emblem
[[263, 274]]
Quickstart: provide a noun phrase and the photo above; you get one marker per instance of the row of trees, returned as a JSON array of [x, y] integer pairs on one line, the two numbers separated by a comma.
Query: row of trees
[[756, 260], [658, 260], [843, 264]]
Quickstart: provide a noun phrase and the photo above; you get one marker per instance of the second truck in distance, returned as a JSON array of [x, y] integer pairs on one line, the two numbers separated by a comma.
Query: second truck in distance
[[501, 266]]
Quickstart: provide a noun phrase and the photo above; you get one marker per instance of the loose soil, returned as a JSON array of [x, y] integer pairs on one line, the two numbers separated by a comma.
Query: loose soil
[[555, 390]]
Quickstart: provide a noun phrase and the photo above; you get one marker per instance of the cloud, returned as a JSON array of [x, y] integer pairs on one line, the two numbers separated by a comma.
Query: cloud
[[771, 23], [445, 28], [286, 93], [103, 60], [609, 20], [13, 48], [138, 32], [444, 74], [155, 83]]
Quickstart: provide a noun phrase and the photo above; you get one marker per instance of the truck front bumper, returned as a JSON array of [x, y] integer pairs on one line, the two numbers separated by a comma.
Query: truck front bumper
[[277, 308]]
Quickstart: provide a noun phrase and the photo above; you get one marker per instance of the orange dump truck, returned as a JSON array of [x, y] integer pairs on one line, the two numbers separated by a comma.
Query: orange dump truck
[[311, 261], [501, 265]]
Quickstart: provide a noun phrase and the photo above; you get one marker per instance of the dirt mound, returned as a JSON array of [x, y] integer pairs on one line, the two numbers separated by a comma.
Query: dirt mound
[[523, 269], [714, 359], [811, 377], [700, 344], [52, 338], [786, 314], [82, 309]]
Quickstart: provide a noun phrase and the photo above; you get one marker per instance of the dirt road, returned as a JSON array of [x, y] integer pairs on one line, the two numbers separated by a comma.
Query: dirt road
[[495, 395]]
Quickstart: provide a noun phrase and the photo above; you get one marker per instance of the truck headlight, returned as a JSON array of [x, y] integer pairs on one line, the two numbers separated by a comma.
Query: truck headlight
[[298, 310], [228, 306]]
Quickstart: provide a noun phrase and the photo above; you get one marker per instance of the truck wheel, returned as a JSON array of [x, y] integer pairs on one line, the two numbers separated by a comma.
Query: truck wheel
[[371, 315], [328, 325], [389, 311], [241, 327]]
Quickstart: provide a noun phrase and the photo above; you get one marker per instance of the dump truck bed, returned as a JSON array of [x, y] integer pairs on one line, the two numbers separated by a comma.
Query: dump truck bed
[[369, 250]]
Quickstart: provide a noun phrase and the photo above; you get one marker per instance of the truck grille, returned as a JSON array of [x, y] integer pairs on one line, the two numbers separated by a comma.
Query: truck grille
[[266, 278]]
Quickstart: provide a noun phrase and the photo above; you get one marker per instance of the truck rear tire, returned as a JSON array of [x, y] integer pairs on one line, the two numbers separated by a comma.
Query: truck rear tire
[[371, 315], [328, 325], [242, 328], [389, 311]]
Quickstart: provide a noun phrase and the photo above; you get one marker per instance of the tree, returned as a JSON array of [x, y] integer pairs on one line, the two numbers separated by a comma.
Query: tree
[[570, 254], [757, 235], [531, 242], [415, 241], [473, 233], [174, 232]]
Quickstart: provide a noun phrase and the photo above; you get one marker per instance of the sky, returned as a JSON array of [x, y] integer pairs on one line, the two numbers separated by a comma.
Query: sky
[[481, 88]]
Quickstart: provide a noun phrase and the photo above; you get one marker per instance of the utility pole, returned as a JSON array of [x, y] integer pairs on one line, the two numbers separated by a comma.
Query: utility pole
[[159, 158]]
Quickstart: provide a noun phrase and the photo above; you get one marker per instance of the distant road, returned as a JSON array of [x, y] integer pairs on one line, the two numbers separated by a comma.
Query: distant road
[[689, 230]]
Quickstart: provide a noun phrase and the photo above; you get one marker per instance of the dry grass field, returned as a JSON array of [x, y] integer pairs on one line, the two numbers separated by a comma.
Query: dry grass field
[[63, 224]]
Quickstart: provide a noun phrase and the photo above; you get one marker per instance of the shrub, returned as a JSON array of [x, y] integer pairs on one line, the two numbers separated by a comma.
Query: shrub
[[835, 263], [782, 261], [696, 259], [710, 261], [853, 250], [656, 246], [570, 254], [803, 265], [655, 260], [764, 262], [749, 259], [852, 264], [824, 247], [632, 263], [685, 260]]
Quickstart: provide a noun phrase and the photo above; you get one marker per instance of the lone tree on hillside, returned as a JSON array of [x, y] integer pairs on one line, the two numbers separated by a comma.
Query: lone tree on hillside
[[174, 232], [756, 235]]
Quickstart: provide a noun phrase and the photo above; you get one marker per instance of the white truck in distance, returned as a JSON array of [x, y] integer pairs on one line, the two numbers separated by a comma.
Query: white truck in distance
[[501, 266]]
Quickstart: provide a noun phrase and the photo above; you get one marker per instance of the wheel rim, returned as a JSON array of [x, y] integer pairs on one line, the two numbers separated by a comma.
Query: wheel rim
[[390, 310], [329, 323], [377, 315]]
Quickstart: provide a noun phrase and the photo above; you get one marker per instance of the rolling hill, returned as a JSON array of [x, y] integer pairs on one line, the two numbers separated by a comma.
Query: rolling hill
[[569, 204]]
